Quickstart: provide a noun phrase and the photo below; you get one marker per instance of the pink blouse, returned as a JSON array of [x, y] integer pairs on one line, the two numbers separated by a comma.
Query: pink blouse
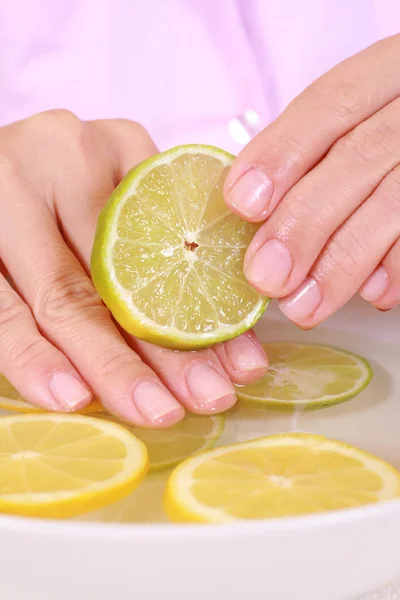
[[205, 71]]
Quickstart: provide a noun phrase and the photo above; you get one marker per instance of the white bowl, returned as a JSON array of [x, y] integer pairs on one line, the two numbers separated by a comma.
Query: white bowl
[[345, 555]]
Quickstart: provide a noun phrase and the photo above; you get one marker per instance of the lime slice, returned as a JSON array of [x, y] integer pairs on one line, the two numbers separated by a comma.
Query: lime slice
[[277, 476], [11, 399], [168, 447], [168, 255], [306, 377]]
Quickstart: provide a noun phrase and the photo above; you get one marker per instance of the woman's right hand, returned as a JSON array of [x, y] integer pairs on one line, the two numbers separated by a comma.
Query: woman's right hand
[[58, 342]]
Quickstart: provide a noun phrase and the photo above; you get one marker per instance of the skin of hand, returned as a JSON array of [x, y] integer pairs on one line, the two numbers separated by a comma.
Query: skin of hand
[[58, 343], [324, 180]]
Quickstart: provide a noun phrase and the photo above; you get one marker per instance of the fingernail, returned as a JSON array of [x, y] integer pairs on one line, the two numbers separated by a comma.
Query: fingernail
[[244, 355], [68, 391], [376, 285], [303, 302], [251, 194], [208, 389], [155, 402], [270, 267]]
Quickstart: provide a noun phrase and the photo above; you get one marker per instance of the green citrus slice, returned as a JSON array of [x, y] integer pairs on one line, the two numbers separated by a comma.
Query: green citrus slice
[[307, 377], [167, 447], [168, 255]]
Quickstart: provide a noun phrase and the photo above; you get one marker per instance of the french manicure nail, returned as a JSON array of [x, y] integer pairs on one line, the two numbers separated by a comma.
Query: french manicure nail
[[303, 302], [68, 391], [155, 402], [376, 285], [244, 355], [270, 267], [251, 194], [208, 389]]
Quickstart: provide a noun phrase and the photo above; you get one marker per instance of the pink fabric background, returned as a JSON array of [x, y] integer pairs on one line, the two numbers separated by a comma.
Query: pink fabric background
[[186, 69]]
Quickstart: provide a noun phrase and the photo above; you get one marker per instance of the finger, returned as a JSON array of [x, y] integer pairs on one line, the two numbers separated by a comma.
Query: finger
[[329, 108], [382, 288], [243, 358], [287, 245], [112, 148], [128, 141], [72, 316], [348, 259], [197, 379], [40, 372]]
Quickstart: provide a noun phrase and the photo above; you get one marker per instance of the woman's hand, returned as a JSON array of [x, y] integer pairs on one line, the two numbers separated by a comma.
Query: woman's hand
[[325, 179], [57, 340]]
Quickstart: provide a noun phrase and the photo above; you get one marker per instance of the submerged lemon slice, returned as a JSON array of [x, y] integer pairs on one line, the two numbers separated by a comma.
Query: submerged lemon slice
[[64, 465], [11, 399], [277, 476], [306, 377], [168, 255]]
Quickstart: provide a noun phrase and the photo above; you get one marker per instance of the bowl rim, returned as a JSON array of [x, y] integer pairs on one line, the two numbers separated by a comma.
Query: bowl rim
[[166, 531]]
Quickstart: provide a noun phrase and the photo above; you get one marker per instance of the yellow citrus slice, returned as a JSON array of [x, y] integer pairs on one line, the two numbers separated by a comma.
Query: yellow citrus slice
[[306, 377], [11, 399], [64, 465], [168, 447], [168, 255], [277, 476]]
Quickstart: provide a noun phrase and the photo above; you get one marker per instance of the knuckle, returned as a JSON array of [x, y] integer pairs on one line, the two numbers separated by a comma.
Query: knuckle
[[306, 216], [64, 298], [21, 349], [53, 119], [389, 192], [29, 353], [289, 151], [10, 168], [111, 362], [136, 128], [340, 97], [12, 309], [342, 256], [57, 126], [368, 144]]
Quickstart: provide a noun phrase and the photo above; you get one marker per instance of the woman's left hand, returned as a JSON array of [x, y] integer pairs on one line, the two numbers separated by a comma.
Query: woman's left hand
[[325, 179]]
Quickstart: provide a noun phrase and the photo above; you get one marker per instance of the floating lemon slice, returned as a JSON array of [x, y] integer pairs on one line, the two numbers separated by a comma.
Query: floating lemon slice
[[277, 476], [64, 465], [11, 399], [168, 255], [306, 377]]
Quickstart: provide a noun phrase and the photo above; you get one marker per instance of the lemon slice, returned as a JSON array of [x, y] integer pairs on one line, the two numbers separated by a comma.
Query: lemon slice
[[11, 399], [306, 377], [277, 476], [168, 255], [64, 465]]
